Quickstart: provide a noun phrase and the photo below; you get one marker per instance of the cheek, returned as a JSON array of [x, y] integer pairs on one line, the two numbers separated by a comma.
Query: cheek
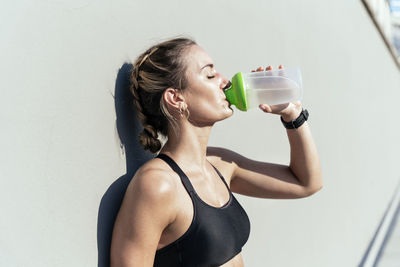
[[201, 94], [207, 108], [205, 101]]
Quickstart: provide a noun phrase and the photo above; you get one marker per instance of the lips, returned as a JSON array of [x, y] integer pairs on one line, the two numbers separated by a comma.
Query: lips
[[229, 103], [224, 99]]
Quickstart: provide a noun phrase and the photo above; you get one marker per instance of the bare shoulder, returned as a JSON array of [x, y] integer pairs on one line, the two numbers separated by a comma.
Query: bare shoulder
[[150, 204], [153, 183]]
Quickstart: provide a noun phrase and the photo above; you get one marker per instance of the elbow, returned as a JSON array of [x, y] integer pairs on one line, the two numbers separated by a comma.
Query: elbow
[[314, 187], [309, 191]]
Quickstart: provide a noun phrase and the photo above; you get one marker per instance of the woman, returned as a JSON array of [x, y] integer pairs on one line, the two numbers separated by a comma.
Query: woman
[[179, 209]]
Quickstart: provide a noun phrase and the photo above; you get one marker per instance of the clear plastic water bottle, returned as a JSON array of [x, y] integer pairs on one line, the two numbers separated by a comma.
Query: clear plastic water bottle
[[271, 87]]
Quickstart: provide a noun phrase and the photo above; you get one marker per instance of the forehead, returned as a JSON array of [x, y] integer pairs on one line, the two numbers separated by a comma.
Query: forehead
[[197, 58]]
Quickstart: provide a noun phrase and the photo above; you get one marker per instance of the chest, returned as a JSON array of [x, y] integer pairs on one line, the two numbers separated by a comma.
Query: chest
[[214, 235]]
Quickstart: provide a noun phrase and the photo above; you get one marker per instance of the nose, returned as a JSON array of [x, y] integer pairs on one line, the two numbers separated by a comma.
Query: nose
[[228, 84], [225, 83]]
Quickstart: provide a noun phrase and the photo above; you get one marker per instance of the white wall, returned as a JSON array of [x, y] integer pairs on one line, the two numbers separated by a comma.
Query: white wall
[[60, 150]]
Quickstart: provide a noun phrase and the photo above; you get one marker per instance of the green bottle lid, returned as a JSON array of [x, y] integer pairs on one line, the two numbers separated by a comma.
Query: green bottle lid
[[236, 94]]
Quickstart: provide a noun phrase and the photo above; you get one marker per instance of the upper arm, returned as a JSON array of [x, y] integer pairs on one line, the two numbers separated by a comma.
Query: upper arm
[[261, 179], [148, 207]]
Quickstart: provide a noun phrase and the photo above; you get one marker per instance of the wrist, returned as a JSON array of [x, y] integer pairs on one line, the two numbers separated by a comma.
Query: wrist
[[291, 116], [297, 122]]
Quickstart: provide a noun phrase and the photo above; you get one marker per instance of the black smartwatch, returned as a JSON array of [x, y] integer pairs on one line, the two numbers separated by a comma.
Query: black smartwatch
[[297, 122]]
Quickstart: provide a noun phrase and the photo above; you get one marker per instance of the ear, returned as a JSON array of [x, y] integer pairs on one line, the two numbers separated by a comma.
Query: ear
[[174, 98]]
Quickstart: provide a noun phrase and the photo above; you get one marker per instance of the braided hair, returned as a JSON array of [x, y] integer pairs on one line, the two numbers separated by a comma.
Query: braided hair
[[158, 68]]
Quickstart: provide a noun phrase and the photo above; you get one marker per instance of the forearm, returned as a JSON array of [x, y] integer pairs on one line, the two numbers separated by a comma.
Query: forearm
[[304, 160]]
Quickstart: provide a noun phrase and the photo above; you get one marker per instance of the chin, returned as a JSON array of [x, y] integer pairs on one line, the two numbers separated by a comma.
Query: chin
[[229, 113]]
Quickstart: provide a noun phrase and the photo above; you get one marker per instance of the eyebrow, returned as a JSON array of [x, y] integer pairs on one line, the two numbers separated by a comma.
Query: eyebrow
[[208, 65]]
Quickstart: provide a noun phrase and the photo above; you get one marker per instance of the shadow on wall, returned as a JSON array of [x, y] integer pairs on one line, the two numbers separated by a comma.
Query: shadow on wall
[[128, 127]]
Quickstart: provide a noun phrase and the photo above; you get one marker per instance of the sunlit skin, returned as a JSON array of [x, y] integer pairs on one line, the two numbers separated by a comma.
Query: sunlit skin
[[157, 209], [204, 96], [207, 104]]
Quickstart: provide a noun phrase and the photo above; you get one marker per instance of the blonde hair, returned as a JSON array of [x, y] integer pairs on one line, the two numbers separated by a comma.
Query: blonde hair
[[160, 67]]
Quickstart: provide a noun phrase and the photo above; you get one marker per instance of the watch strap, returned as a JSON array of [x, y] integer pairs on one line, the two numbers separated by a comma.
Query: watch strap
[[303, 117]]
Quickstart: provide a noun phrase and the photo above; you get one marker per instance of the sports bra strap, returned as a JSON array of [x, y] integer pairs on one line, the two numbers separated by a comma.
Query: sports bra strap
[[222, 177], [177, 169]]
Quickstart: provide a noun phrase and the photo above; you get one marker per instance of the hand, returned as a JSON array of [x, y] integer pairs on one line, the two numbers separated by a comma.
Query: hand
[[288, 111]]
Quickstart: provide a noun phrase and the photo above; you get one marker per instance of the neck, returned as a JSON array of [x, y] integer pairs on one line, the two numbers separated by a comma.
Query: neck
[[189, 146]]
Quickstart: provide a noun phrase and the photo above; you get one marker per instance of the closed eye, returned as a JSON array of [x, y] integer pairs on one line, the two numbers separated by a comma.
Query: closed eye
[[210, 77]]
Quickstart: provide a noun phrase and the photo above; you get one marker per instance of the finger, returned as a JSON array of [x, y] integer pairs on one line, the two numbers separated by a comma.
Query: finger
[[281, 71], [260, 69], [276, 109], [253, 71], [265, 108], [268, 68]]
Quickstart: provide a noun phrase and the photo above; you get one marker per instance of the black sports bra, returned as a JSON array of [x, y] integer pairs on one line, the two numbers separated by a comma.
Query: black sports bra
[[215, 235]]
